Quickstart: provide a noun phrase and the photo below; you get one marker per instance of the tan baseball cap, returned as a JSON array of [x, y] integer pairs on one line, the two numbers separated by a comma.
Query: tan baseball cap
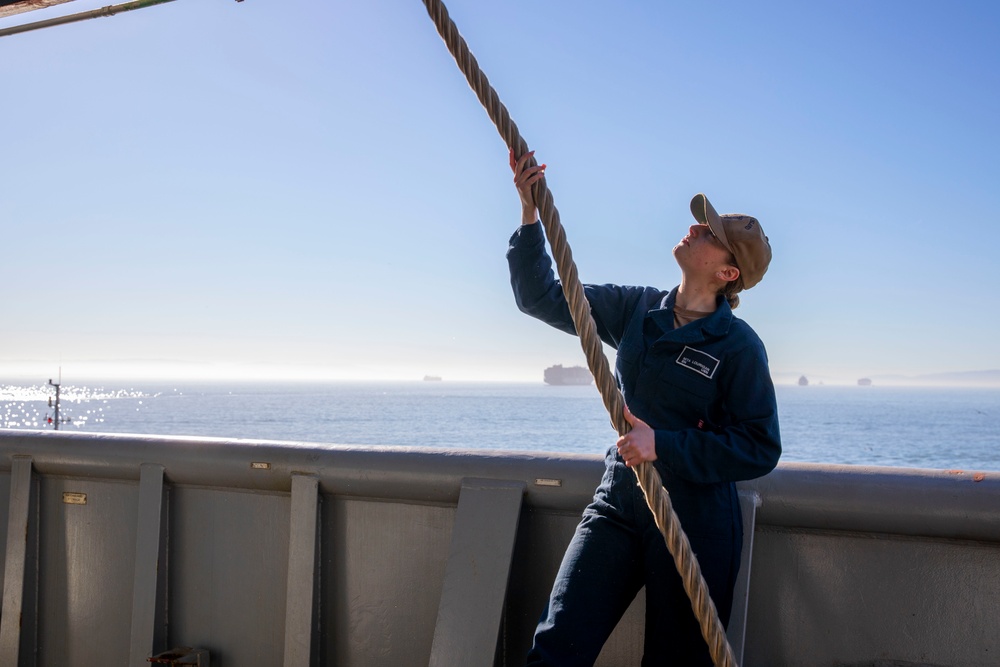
[[741, 234]]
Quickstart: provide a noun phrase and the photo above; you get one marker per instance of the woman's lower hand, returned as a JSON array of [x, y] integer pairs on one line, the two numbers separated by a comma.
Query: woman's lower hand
[[638, 445]]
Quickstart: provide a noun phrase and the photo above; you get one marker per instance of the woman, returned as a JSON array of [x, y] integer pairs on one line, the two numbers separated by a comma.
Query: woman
[[701, 405]]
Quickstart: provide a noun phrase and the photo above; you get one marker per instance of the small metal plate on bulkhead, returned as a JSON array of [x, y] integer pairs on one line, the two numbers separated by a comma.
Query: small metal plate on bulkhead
[[71, 498]]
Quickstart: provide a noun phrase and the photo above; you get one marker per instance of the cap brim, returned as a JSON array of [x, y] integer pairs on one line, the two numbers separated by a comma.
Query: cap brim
[[705, 213]]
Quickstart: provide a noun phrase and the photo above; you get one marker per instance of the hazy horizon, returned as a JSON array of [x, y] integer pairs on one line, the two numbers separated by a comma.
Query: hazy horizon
[[75, 374]]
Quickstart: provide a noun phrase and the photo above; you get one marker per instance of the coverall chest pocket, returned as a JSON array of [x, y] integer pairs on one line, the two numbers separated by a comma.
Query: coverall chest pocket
[[688, 377], [627, 364]]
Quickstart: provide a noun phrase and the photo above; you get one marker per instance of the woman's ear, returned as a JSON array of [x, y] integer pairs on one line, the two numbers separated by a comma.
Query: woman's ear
[[728, 274]]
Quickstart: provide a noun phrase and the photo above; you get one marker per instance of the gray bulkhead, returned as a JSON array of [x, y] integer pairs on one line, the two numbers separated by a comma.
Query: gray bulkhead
[[294, 554]]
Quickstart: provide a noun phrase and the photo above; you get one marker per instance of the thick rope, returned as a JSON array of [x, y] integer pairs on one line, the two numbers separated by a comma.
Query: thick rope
[[656, 496]]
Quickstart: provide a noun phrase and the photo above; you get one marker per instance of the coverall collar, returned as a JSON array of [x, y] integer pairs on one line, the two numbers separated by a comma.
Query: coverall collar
[[710, 326]]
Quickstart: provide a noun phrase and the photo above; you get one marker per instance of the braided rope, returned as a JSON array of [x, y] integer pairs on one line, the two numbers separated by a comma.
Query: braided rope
[[656, 496]]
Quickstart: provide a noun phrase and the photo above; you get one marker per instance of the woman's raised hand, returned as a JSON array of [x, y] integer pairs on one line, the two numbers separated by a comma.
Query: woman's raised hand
[[524, 178]]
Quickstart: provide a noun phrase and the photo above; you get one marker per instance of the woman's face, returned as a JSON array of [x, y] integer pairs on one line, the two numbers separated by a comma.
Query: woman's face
[[701, 254]]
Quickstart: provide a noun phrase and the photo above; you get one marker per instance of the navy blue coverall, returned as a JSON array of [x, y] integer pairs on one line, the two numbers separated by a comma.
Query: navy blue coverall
[[706, 391]]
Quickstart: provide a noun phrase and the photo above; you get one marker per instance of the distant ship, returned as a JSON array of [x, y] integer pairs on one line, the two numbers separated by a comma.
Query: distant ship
[[569, 375], [864, 382], [803, 381], [432, 378]]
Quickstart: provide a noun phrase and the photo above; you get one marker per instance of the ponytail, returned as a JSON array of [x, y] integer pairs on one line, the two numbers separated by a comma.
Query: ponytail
[[730, 292], [731, 288], [732, 297]]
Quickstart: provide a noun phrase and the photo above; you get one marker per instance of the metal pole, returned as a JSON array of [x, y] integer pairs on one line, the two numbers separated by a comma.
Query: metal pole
[[56, 385], [110, 10]]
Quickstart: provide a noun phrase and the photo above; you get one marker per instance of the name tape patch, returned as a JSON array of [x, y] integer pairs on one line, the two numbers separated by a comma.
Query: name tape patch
[[698, 361]]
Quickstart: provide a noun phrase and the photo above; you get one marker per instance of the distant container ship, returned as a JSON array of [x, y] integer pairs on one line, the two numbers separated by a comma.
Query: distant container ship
[[569, 375]]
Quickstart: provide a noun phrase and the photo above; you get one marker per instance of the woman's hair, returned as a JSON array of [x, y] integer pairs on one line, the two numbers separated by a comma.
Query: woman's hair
[[730, 292], [732, 287]]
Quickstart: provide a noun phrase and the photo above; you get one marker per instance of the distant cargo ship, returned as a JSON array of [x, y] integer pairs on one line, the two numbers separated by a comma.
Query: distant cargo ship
[[569, 375], [432, 378], [865, 382]]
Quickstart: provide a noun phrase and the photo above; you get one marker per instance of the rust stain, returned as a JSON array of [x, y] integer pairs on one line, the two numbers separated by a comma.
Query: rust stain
[[955, 472], [978, 477]]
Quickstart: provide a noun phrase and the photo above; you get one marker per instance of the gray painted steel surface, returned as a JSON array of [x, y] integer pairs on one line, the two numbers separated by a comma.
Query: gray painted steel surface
[[300, 632], [17, 622], [475, 580], [149, 586], [264, 553]]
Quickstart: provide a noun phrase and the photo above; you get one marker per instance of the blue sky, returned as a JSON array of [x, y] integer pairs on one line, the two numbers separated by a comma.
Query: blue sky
[[310, 189]]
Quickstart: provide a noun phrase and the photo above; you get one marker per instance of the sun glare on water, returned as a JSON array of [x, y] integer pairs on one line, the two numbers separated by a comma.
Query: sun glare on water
[[29, 406]]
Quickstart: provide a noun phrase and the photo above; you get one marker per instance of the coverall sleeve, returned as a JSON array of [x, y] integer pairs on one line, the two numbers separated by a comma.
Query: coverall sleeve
[[539, 293], [746, 445]]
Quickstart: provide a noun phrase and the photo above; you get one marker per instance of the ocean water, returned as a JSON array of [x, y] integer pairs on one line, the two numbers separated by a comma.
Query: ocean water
[[946, 428]]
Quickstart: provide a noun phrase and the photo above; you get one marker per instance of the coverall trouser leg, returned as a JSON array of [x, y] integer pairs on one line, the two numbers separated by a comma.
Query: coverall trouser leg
[[615, 550]]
